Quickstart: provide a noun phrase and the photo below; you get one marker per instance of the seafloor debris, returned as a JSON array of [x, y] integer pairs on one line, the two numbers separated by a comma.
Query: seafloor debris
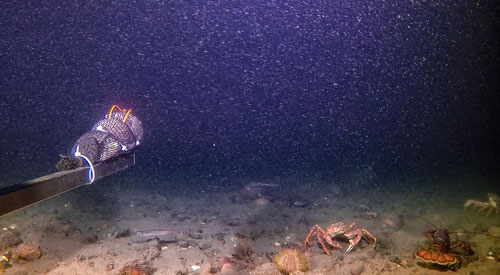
[[68, 163], [228, 269], [243, 254], [290, 261], [5, 261], [391, 221], [300, 203], [27, 252], [88, 238], [164, 235], [222, 261], [255, 190], [368, 211], [122, 233], [136, 268], [266, 269], [9, 238]]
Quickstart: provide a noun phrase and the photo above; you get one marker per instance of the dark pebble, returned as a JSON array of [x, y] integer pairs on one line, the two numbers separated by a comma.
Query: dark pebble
[[10, 238], [69, 229], [206, 220], [184, 244], [195, 235], [89, 238], [122, 233], [205, 246], [110, 266], [80, 258], [220, 237]]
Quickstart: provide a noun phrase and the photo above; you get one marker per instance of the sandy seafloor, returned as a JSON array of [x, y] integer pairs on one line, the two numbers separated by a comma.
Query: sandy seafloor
[[99, 229]]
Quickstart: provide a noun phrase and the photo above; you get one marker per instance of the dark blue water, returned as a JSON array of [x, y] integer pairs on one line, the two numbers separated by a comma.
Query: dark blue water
[[230, 88]]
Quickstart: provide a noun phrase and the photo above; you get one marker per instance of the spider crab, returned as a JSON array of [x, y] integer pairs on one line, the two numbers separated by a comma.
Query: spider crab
[[339, 230], [493, 203]]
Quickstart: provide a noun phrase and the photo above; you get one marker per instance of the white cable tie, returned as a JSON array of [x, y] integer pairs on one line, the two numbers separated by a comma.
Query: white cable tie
[[78, 154]]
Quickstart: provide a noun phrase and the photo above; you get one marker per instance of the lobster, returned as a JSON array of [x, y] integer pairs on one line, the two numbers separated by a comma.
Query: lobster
[[441, 253]]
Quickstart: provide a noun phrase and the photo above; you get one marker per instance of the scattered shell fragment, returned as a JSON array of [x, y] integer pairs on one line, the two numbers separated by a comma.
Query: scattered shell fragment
[[195, 267], [14, 226], [371, 214], [300, 203], [277, 244]]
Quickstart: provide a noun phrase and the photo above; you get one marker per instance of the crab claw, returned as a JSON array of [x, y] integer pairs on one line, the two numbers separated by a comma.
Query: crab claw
[[353, 243]]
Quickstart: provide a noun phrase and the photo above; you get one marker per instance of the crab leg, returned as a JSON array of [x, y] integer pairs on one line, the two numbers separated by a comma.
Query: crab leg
[[482, 207], [320, 235], [322, 244], [489, 211], [315, 229], [366, 233], [333, 243]]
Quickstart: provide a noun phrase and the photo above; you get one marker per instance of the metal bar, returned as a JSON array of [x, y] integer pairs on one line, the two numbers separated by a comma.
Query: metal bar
[[21, 195]]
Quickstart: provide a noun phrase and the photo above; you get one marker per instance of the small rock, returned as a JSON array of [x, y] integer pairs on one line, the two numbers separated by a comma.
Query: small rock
[[206, 268], [228, 269], [222, 261], [233, 223], [300, 203], [80, 258], [28, 252], [266, 269], [137, 268], [110, 266], [152, 250], [122, 233], [69, 229], [10, 238], [357, 269], [219, 236], [195, 235], [89, 238], [205, 246], [184, 244]]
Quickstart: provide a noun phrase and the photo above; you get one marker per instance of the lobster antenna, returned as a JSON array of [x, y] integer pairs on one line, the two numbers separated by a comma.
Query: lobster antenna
[[454, 232], [428, 222]]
